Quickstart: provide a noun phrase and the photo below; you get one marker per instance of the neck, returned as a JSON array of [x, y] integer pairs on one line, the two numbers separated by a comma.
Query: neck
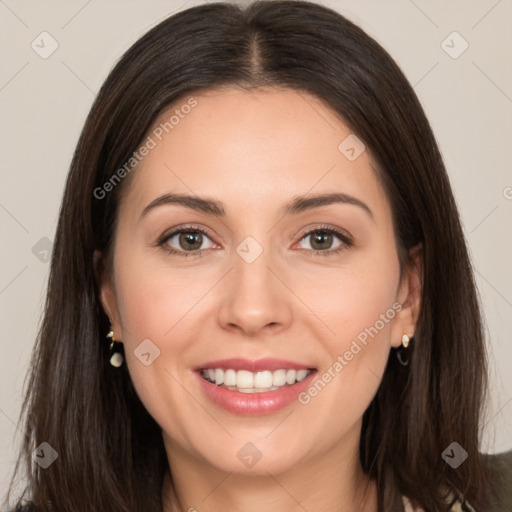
[[330, 482]]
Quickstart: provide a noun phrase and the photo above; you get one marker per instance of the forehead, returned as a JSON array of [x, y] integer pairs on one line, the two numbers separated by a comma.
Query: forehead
[[253, 149]]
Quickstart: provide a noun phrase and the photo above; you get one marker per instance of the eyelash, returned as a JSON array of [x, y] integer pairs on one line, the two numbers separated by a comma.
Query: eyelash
[[346, 241]]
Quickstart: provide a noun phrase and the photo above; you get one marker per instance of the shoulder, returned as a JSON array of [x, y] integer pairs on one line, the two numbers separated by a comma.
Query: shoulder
[[500, 474], [456, 506], [500, 477]]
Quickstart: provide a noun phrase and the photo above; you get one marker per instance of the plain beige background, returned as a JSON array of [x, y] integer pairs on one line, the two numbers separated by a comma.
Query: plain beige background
[[466, 92]]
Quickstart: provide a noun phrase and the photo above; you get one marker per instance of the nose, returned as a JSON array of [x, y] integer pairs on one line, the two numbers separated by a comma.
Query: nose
[[254, 298]]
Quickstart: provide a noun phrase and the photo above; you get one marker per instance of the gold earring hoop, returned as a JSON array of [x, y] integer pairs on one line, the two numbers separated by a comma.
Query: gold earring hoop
[[116, 358]]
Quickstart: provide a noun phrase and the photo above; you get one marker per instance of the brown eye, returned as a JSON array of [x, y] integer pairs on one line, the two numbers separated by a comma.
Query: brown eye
[[190, 240], [322, 240], [186, 241]]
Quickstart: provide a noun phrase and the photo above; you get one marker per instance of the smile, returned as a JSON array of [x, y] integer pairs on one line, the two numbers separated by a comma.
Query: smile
[[254, 382], [248, 387]]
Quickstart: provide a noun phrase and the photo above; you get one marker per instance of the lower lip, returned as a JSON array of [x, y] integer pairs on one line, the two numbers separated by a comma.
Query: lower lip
[[254, 404]]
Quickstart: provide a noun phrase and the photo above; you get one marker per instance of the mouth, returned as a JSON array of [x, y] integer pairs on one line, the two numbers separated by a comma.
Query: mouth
[[249, 388], [244, 381]]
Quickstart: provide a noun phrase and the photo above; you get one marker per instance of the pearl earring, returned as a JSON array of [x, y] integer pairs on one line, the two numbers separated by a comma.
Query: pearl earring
[[116, 358], [400, 352]]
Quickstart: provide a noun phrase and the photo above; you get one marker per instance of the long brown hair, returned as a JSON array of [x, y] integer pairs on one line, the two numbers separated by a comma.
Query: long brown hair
[[110, 451]]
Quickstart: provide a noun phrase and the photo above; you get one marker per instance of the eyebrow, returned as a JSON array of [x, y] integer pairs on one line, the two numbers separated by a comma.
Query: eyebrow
[[297, 205]]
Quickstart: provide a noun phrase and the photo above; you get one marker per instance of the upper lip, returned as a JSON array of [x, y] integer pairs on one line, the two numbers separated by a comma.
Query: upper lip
[[254, 365]]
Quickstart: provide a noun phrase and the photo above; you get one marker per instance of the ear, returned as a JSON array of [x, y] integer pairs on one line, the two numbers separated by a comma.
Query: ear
[[105, 280], [409, 296]]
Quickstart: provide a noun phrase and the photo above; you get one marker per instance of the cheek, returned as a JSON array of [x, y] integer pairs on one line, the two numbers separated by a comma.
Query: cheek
[[361, 315], [158, 305], [358, 307], [154, 298], [354, 298]]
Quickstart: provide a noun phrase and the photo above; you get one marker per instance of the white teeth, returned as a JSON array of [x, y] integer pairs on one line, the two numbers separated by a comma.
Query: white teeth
[[219, 376], [262, 380], [279, 378], [301, 375], [254, 390], [244, 379], [230, 377], [248, 382], [291, 376]]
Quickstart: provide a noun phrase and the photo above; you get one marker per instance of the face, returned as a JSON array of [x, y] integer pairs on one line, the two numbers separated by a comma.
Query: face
[[270, 276]]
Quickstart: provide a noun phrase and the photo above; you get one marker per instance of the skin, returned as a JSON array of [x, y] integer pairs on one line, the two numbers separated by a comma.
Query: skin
[[254, 152]]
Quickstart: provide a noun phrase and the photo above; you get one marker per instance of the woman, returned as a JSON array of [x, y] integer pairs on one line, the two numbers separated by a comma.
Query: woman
[[259, 284]]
